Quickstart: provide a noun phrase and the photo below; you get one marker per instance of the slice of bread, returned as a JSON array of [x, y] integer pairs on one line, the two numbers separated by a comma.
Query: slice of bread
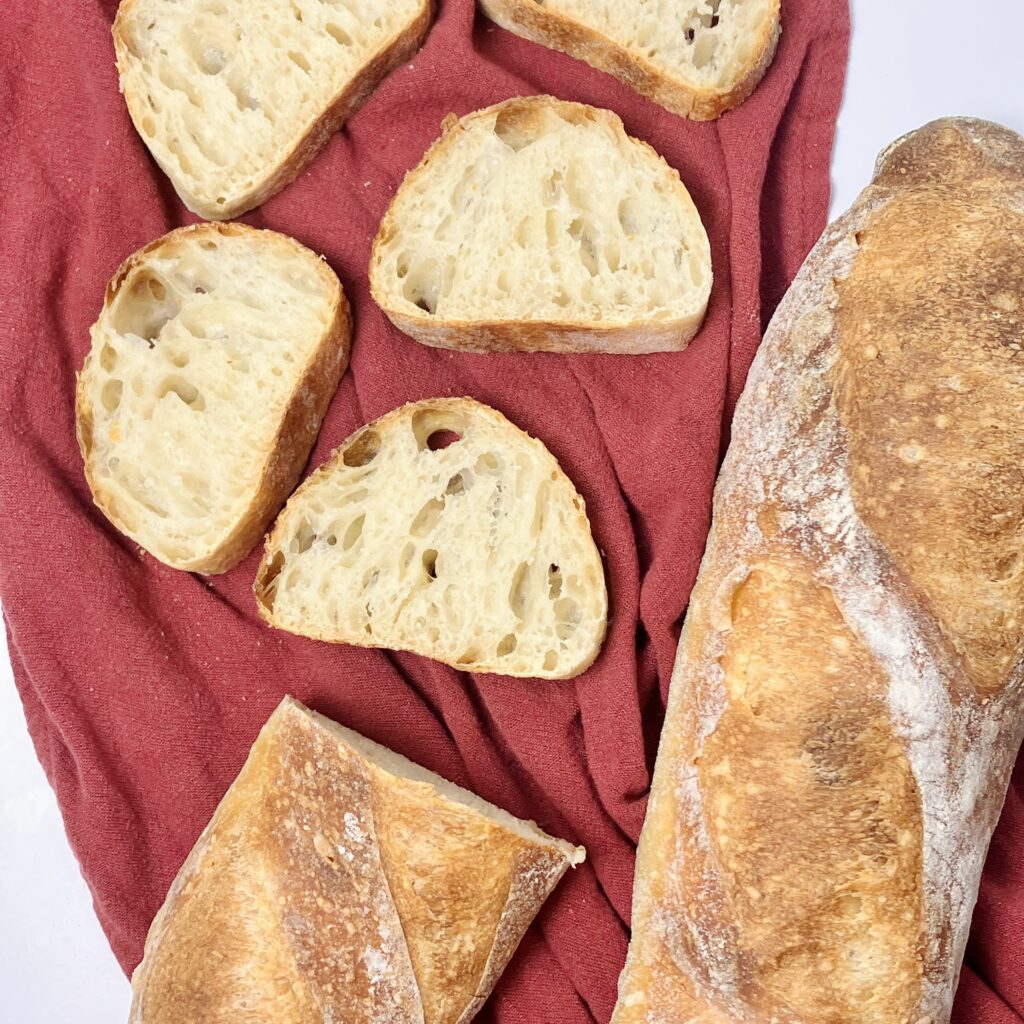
[[697, 58], [212, 364], [540, 225], [442, 529], [233, 99]]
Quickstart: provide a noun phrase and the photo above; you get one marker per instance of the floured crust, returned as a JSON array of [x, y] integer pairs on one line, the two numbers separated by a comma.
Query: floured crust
[[299, 426], [846, 704], [617, 335], [310, 139], [558, 31], [331, 881]]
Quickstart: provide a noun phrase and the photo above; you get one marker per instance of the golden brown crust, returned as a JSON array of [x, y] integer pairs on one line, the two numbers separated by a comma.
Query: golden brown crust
[[483, 336], [327, 887], [299, 425], [539, 24], [848, 696], [397, 51]]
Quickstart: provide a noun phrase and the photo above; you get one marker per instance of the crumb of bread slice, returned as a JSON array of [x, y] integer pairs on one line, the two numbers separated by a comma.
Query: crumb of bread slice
[[234, 100], [696, 58], [212, 363], [441, 529], [540, 225]]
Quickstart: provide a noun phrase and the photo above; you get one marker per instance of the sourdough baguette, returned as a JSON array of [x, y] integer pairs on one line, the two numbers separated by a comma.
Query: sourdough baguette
[[212, 364], [697, 58], [540, 225], [234, 100], [338, 881], [847, 697], [476, 552]]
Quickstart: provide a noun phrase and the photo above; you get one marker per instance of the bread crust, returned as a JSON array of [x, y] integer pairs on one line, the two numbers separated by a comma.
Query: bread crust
[[488, 336], [550, 28], [277, 538], [313, 137], [299, 426], [848, 696], [329, 887]]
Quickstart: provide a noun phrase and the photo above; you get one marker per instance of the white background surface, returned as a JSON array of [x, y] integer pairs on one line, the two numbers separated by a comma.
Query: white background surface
[[910, 62]]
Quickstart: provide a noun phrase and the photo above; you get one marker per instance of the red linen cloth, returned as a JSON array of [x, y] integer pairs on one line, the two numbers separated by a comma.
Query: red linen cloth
[[143, 687]]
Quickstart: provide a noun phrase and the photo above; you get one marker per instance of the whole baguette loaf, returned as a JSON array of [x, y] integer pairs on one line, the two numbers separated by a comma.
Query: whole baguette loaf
[[338, 881], [697, 58], [212, 363], [847, 698]]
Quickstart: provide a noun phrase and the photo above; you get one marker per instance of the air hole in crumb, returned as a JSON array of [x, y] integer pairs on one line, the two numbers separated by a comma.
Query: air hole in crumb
[[427, 518], [456, 485], [299, 60], [108, 357], [507, 645], [353, 533], [515, 130], [442, 439], [212, 60], [428, 422], [517, 592], [430, 563], [338, 34], [208, 246], [362, 449], [180, 360], [304, 537], [554, 581], [550, 660], [110, 396], [186, 391]]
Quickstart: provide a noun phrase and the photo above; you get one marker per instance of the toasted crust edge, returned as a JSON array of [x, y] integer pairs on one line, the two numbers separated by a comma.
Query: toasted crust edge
[[559, 32], [488, 336], [382, 423], [359, 89], [298, 428]]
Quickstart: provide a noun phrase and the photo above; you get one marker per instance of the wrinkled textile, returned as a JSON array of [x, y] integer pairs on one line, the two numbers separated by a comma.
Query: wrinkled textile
[[143, 687]]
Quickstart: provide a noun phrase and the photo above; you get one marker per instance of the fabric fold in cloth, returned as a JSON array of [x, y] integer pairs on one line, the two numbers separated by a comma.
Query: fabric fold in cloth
[[144, 687]]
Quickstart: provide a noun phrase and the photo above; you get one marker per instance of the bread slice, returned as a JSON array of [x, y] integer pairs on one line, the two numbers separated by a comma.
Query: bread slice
[[540, 225], [212, 364], [338, 881], [233, 99], [441, 528], [697, 58]]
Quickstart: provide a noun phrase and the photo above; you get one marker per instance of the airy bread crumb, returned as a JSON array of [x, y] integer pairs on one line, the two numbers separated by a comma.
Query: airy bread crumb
[[212, 363], [541, 225], [441, 529], [233, 100]]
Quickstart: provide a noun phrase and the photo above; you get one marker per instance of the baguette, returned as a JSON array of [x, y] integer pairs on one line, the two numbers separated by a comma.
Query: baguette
[[212, 364], [696, 58], [234, 101], [338, 881], [441, 529], [539, 225], [847, 698]]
